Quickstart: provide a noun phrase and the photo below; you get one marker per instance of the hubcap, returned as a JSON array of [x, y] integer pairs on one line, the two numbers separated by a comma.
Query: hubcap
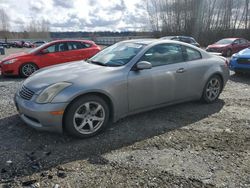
[[213, 89], [89, 117], [28, 69]]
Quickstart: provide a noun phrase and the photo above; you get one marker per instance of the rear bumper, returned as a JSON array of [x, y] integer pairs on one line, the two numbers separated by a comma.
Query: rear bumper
[[39, 116]]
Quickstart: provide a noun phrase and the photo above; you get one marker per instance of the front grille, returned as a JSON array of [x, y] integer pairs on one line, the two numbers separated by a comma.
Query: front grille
[[26, 93], [243, 61]]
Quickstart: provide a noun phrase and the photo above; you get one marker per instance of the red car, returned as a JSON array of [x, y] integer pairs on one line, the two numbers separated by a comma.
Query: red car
[[61, 51], [228, 46]]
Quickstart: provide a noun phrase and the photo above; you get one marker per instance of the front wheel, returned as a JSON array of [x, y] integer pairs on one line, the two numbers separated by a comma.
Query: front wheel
[[228, 53], [212, 89], [86, 116], [27, 69]]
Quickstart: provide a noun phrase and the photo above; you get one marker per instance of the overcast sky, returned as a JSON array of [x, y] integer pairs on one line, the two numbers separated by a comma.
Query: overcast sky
[[78, 15]]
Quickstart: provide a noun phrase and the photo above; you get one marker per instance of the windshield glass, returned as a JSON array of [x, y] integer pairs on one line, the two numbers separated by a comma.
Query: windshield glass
[[225, 41], [117, 55], [37, 49]]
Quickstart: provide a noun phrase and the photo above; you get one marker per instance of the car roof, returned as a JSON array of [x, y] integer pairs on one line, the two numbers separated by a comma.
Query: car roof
[[156, 41], [142, 41], [71, 40], [232, 38]]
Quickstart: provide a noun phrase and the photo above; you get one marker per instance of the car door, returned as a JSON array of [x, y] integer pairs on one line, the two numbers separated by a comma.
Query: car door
[[88, 50], [74, 51], [196, 70], [53, 54], [243, 44], [166, 82], [236, 46]]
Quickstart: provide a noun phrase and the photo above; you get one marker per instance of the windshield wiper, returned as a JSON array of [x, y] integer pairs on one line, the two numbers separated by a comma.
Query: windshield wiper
[[96, 62]]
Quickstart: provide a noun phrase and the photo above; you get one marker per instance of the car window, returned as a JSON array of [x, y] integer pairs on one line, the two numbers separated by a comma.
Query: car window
[[237, 41], [186, 40], [191, 54], [58, 47], [243, 41], [163, 54], [77, 45]]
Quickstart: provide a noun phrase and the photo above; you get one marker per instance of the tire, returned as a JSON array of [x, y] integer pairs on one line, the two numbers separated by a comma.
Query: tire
[[212, 89], [27, 69], [228, 53], [86, 116]]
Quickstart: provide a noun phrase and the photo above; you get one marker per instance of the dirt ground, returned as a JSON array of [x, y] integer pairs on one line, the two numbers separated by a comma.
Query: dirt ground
[[186, 145]]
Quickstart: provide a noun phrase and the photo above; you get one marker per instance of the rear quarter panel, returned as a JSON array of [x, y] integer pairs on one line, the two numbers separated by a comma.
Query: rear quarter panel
[[202, 70]]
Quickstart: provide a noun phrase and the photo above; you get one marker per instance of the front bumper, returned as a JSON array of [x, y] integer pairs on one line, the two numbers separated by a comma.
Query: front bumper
[[234, 66], [10, 69], [39, 116]]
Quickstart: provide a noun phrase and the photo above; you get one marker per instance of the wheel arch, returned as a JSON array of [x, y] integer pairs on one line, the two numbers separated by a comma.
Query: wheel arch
[[27, 62], [104, 96]]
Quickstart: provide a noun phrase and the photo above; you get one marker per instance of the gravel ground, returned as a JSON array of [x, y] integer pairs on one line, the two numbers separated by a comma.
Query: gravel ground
[[186, 145]]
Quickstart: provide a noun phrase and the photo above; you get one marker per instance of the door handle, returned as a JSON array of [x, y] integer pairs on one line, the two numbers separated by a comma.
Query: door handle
[[180, 70]]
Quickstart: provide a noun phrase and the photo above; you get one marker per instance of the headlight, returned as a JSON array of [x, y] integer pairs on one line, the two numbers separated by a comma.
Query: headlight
[[10, 61], [50, 92], [235, 55]]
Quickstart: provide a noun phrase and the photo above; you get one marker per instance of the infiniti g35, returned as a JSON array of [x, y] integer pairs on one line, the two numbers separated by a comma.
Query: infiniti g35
[[81, 98]]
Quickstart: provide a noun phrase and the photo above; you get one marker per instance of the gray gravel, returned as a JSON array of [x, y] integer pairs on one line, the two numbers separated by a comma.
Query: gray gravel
[[186, 145]]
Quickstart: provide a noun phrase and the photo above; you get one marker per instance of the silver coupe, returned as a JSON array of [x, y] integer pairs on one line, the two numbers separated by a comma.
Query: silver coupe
[[129, 77]]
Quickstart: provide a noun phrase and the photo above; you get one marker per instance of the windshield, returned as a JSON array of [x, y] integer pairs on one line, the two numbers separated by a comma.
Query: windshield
[[37, 49], [117, 55], [225, 41]]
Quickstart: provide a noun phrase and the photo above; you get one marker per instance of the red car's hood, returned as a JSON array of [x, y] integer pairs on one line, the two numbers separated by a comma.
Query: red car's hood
[[16, 55], [218, 45]]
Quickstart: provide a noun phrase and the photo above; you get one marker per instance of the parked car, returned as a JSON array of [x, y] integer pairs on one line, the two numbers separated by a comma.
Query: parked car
[[18, 44], [2, 50], [186, 39], [61, 51], [5, 44], [28, 44], [38, 43], [126, 78], [240, 62], [228, 46]]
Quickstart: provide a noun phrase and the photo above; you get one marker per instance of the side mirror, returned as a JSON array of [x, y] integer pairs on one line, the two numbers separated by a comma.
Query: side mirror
[[143, 65], [44, 51]]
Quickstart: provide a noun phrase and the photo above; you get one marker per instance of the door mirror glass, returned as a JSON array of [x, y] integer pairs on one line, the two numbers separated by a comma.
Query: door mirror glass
[[44, 51], [143, 65]]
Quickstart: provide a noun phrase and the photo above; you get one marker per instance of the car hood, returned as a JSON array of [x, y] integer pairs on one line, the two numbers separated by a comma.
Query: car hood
[[218, 45], [79, 73], [16, 55], [244, 53]]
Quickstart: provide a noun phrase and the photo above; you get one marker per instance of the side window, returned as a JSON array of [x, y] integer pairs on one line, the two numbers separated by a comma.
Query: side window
[[243, 41], [78, 45], [191, 54], [58, 47], [86, 45], [163, 54], [237, 41], [186, 40]]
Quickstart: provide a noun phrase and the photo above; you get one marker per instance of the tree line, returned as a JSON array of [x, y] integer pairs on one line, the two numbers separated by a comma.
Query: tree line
[[34, 29], [213, 19]]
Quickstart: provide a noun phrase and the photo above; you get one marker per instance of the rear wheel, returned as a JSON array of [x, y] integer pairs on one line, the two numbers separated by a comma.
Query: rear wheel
[[86, 116], [27, 69], [212, 89]]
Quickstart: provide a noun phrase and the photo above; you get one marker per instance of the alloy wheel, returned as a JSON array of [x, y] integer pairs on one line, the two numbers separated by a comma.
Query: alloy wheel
[[89, 117], [28, 69], [213, 89]]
